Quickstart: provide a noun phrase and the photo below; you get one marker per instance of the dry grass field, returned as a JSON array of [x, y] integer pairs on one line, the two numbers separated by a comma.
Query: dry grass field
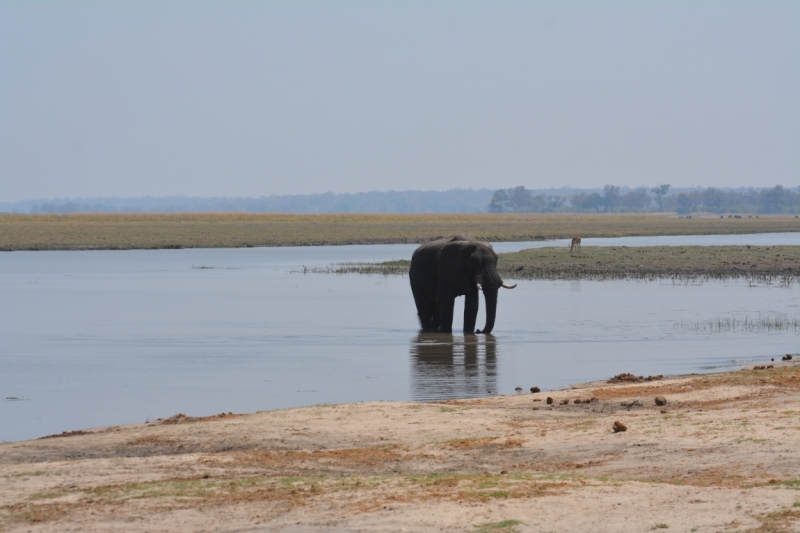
[[230, 230]]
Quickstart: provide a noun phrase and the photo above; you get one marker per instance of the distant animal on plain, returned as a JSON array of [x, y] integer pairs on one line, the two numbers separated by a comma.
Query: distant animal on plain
[[575, 244]]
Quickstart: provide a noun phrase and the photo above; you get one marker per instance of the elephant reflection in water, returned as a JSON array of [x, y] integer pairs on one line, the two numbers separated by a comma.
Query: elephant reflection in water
[[447, 366]]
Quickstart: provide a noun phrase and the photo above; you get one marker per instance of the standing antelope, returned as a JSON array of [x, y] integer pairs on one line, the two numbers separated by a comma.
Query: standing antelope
[[576, 243]]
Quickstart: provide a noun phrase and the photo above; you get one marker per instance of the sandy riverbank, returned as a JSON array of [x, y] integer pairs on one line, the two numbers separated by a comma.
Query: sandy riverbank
[[722, 455]]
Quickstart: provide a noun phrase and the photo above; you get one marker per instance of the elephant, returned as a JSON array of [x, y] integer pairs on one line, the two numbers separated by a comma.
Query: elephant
[[449, 267]]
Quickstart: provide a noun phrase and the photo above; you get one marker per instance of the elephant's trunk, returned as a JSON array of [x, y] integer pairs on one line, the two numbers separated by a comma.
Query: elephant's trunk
[[491, 310], [491, 283]]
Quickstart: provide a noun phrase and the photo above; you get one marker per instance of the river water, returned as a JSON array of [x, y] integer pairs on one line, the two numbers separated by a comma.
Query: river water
[[97, 338]]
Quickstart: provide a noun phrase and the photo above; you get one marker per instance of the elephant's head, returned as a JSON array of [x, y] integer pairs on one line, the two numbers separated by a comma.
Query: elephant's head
[[479, 263]]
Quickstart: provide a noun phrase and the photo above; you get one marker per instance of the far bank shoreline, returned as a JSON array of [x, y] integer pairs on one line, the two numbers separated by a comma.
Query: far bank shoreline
[[236, 230]]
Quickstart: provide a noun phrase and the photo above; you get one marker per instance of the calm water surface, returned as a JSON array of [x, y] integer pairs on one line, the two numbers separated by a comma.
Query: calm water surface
[[110, 337]]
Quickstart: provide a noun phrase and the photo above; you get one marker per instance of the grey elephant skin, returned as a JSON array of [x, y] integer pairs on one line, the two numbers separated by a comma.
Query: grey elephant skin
[[449, 267]]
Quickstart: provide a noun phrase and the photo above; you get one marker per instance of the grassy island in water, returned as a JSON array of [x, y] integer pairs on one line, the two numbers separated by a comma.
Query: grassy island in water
[[760, 263]]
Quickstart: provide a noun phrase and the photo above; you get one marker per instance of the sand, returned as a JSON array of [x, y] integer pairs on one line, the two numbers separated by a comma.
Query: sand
[[722, 455]]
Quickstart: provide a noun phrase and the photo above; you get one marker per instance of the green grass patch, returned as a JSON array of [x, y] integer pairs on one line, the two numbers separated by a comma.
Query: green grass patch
[[504, 526], [35, 473], [48, 495], [752, 439]]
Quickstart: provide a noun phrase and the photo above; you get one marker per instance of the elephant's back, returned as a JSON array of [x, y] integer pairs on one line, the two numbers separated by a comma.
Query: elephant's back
[[423, 261], [433, 247], [422, 272]]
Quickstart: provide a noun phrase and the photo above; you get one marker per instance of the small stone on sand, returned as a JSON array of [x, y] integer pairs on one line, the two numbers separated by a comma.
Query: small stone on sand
[[660, 400], [619, 426], [549, 401], [535, 389]]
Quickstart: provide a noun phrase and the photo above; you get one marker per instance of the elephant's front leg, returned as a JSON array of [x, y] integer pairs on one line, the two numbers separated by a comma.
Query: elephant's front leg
[[446, 301], [471, 305]]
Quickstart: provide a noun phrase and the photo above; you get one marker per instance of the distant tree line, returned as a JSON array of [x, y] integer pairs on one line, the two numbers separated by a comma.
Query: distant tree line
[[613, 200], [452, 201], [610, 199], [775, 200]]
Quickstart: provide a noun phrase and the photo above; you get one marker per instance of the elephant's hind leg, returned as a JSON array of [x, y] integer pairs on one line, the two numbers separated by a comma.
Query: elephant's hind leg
[[428, 321], [446, 301], [426, 309], [425, 312]]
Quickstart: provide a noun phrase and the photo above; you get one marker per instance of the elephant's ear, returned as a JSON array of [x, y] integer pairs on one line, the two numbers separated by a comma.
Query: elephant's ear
[[467, 252]]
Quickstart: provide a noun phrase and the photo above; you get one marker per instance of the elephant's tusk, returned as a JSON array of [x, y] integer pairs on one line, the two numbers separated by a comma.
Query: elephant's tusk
[[506, 286], [479, 286]]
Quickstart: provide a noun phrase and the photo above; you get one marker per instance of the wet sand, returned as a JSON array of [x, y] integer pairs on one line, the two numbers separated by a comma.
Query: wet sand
[[722, 455]]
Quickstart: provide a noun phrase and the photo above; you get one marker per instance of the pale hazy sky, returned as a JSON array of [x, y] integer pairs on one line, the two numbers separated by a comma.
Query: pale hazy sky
[[220, 98]]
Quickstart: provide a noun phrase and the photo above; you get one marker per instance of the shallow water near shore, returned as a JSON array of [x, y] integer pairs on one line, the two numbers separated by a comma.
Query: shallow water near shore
[[98, 338]]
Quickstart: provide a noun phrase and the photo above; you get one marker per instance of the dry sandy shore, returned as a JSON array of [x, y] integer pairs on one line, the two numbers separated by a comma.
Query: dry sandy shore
[[722, 455]]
